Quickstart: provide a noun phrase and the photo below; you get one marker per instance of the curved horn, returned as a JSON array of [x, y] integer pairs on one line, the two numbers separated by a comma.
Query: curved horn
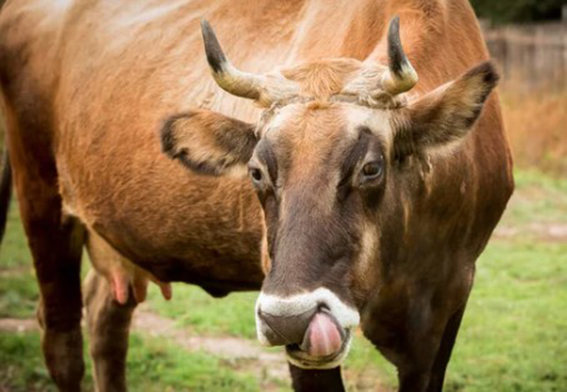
[[401, 75], [228, 77]]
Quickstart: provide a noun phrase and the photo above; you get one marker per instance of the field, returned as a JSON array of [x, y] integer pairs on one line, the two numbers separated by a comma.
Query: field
[[513, 336]]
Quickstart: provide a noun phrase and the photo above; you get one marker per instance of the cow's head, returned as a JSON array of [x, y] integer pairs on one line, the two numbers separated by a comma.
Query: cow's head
[[321, 159]]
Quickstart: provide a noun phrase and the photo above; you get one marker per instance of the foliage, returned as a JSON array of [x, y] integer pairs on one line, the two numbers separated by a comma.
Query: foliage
[[510, 11]]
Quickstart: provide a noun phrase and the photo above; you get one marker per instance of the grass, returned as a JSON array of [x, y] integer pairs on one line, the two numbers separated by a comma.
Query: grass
[[538, 199], [22, 368], [153, 365], [194, 308], [18, 288], [512, 338], [513, 334]]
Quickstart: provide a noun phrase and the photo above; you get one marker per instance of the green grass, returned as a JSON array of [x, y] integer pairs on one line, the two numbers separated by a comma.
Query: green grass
[[153, 365], [157, 365], [194, 308], [18, 287], [513, 336], [21, 368], [538, 198]]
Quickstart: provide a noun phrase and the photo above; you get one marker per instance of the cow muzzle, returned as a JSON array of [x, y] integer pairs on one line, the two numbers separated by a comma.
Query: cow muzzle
[[316, 328]]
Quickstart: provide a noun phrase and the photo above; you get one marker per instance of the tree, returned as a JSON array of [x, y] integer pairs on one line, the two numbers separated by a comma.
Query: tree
[[513, 11]]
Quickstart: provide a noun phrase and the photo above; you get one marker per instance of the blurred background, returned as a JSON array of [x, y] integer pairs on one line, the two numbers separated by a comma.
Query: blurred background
[[528, 40], [514, 334]]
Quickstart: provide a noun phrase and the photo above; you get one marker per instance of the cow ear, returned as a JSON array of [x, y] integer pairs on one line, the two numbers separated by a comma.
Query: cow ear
[[208, 142], [446, 114]]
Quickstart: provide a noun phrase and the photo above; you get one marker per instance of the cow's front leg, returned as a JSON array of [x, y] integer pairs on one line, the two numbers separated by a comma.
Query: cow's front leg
[[413, 380], [412, 351], [416, 336], [108, 324], [311, 380]]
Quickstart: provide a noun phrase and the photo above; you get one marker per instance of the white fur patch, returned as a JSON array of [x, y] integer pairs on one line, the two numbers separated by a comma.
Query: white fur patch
[[237, 171], [377, 120], [347, 316]]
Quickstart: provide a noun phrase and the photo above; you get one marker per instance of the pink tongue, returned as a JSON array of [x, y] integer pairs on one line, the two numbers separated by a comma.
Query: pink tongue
[[324, 336]]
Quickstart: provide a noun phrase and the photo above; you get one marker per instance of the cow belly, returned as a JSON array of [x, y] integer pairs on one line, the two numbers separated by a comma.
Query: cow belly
[[198, 232], [217, 261], [231, 266]]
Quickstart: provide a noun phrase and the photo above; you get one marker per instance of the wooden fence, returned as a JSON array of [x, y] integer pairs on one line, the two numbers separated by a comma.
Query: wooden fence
[[531, 56]]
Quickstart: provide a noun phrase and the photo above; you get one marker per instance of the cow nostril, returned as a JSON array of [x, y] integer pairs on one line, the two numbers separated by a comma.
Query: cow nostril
[[281, 329]]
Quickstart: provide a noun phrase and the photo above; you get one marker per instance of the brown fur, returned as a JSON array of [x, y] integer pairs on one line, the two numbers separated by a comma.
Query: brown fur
[[322, 79], [86, 85]]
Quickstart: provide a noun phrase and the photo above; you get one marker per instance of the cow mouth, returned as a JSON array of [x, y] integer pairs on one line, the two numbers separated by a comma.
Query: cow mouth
[[324, 346], [302, 359]]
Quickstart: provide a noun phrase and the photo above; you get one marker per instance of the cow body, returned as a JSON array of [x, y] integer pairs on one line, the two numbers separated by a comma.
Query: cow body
[[86, 87]]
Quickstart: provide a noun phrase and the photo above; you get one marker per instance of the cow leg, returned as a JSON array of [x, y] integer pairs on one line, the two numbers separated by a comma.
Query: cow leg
[[418, 356], [426, 370], [56, 247], [410, 343], [310, 380], [108, 325], [55, 240], [444, 353], [108, 320], [412, 380], [423, 369]]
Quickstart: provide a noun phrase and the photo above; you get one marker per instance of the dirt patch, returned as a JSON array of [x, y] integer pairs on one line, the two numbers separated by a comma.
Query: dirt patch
[[269, 365], [18, 325], [245, 354], [240, 353], [548, 232]]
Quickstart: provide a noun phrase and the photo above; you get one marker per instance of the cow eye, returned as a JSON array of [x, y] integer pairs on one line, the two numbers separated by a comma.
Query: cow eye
[[372, 170], [256, 174]]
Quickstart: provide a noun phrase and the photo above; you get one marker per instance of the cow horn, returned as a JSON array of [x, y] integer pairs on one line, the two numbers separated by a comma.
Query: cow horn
[[229, 78], [401, 75]]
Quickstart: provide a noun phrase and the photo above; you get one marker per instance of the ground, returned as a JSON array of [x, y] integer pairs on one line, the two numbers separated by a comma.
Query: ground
[[512, 338]]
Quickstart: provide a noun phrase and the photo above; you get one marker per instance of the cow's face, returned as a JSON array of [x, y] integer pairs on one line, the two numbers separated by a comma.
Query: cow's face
[[321, 161], [320, 173]]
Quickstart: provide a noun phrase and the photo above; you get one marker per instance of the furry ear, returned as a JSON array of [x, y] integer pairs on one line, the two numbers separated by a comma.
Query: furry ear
[[446, 114], [208, 142]]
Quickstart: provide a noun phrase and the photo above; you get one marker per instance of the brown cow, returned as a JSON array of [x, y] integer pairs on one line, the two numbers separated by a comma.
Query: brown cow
[[370, 196]]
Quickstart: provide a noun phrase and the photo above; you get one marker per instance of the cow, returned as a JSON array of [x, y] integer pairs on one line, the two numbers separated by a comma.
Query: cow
[[352, 168]]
